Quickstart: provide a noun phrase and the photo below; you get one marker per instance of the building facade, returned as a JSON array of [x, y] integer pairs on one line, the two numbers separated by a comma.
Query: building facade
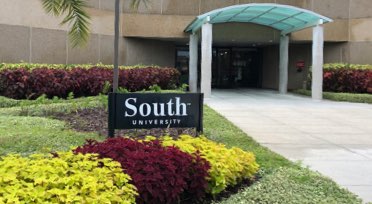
[[243, 54]]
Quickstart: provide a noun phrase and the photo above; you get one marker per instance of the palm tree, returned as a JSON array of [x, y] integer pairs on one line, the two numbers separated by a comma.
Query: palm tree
[[79, 19]]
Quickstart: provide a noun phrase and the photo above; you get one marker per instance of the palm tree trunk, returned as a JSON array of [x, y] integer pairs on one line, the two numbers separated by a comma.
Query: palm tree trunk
[[116, 47]]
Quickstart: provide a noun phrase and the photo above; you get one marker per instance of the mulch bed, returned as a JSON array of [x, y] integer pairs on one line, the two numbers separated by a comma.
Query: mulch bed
[[95, 120]]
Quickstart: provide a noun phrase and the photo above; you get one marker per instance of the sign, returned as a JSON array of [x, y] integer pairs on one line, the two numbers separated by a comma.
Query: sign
[[300, 65], [154, 110]]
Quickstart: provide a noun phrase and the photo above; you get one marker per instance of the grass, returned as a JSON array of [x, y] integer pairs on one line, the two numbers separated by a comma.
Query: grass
[[347, 97], [42, 100], [293, 186], [27, 135], [282, 181], [8, 102], [44, 110]]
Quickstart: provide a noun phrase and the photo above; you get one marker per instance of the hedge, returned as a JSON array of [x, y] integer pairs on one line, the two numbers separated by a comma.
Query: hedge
[[31, 66], [332, 66], [346, 78], [23, 83]]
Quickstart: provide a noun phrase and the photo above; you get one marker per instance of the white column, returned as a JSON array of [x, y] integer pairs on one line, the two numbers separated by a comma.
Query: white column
[[283, 64], [206, 60], [193, 63], [317, 66]]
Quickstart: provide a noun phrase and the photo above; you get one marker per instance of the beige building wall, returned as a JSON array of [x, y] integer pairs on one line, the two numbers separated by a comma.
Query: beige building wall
[[15, 43], [29, 34], [150, 52], [353, 20], [270, 67], [298, 52], [270, 73], [41, 45], [150, 35], [360, 42]]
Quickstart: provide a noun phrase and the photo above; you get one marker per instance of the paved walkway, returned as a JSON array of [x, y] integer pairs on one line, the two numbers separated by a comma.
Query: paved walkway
[[334, 138]]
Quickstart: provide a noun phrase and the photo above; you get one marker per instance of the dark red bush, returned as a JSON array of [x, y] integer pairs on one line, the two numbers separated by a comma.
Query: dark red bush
[[161, 174], [347, 80], [22, 83], [14, 83]]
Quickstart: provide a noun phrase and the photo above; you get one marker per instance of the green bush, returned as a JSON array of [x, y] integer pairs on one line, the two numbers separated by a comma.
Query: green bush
[[63, 178], [228, 166], [31, 66], [330, 66], [347, 97], [294, 186]]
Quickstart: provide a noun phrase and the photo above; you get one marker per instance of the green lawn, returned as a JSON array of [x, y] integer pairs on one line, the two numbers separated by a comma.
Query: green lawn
[[347, 97], [293, 186], [282, 181], [26, 135]]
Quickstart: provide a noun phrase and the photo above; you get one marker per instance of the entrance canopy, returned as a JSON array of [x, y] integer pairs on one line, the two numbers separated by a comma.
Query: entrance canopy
[[285, 18]]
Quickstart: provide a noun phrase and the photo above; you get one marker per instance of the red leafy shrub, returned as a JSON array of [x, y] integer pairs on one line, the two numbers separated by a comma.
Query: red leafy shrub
[[347, 80], [23, 83], [90, 82], [161, 174], [14, 83]]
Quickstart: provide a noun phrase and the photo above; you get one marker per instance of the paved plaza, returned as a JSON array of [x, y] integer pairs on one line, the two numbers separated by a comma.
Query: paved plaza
[[334, 138]]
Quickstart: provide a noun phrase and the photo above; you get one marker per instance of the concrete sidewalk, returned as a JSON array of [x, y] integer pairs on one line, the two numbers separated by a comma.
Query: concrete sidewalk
[[334, 138]]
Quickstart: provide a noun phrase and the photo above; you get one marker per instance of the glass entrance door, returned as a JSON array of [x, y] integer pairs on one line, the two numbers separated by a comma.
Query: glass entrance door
[[235, 67], [246, 63], [223, 72], [231, 67]]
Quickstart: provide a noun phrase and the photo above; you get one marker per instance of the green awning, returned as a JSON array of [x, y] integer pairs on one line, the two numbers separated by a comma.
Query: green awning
[[285, 18]]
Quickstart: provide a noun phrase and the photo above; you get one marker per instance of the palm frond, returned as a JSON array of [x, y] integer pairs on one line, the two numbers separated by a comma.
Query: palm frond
[[135, 3], [76, 17], [79, 21], [52, 6]]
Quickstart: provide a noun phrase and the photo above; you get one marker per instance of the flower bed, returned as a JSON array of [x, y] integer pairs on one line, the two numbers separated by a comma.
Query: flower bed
[[124, 170], [167, 170], [63, 178], [161, 175], [228, 166], [24, 83]]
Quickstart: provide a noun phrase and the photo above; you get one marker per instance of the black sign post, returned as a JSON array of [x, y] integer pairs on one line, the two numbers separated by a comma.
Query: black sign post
[[154, 110]]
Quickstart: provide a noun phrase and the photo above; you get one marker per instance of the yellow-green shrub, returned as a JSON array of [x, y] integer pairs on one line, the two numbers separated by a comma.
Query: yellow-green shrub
[[63, 178], [228, 166]]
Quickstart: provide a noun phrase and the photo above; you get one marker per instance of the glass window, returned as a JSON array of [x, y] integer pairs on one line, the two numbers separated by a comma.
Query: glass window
[[182, 64]]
